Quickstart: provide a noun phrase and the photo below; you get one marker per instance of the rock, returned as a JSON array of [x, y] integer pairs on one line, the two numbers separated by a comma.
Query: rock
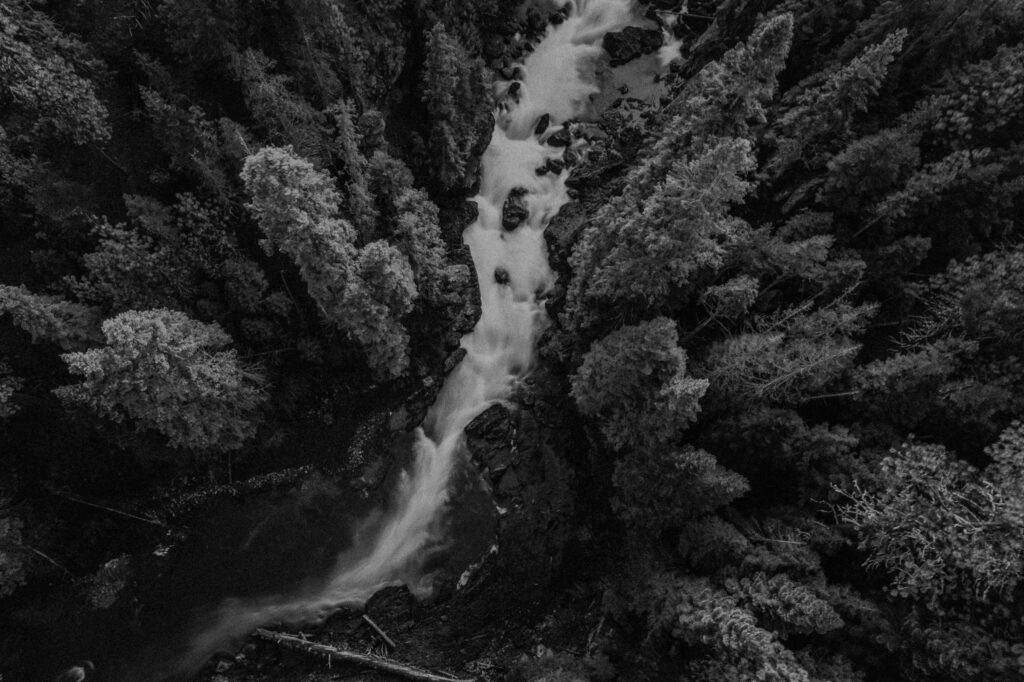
[[454, 359], [513, 90], [542, 170], [514, 211], [222, 666], [489, 437], [631, 42], [509, 482], [591, 132], [556, 18], [542, 124], [555, 166], [570, 157], [501, 277], [560, 138]]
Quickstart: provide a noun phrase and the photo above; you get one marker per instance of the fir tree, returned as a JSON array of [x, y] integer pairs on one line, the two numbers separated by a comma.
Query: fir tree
[[633, 384], [161, 370], [50, 318], [362, 292]]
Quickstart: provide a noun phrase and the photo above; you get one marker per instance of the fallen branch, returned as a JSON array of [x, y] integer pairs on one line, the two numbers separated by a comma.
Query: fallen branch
[[368, 660], [376, 628], [129, 515]]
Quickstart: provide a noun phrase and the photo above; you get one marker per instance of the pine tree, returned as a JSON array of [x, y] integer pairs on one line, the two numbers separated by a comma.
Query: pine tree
[[633, 384], [286, 117], [787, 357], [727, 98], [661, 489], [940, 528], [651, 256], [825, 111], [39, 83], [50, 318], [361, 292], [12, 555], [455, 93], [161, 370], [9, 384]]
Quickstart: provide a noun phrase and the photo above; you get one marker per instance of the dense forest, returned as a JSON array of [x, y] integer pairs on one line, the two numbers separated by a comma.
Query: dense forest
[[775, 426]]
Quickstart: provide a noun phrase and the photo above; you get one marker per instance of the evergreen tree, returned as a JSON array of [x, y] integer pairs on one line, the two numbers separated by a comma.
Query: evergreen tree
[[161, 370], [455, 93], [39, 87], [50, 318], [633, 384], [361, 292], [9, 384]]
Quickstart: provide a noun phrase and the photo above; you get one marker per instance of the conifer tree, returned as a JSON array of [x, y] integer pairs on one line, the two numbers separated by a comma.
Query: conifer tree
[[633, 384], [361, 292], [454, 91], [161, 370], [50, 318]]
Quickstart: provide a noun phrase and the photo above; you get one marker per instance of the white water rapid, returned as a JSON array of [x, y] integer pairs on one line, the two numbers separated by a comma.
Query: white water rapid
[[558, 79]]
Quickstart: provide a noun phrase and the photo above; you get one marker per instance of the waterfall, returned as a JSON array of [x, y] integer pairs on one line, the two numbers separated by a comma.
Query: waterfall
[[390, 549]]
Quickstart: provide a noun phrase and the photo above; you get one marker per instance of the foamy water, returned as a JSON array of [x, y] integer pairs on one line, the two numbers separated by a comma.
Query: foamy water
[[392, 547]]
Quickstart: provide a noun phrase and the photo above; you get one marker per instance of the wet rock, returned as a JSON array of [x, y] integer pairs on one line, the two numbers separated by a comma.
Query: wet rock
[[555, 166], [514, 211], [631, 42], [591, 132], [472, 174], [469, 213], [570, 157], [513, 90], [454, 359], [500, 276], [542, 124], [489, 438], [542, 170], [556, 18], [509, 482], [560, 138]]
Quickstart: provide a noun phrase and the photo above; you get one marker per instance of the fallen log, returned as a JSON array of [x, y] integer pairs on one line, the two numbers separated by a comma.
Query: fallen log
[[383, 635], [343, 656]]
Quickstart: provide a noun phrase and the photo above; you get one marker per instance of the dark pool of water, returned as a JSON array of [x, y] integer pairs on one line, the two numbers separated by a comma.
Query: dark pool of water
[[261, 545]]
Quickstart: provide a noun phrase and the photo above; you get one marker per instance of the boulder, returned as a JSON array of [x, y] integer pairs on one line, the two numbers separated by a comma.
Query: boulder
[[570, 157], [560, 138], [501, 277], [631, 42], [542, 124], [555, 165], [514, 211]]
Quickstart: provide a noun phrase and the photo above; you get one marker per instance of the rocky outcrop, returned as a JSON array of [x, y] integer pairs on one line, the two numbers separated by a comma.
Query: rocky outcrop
[[631, 42]]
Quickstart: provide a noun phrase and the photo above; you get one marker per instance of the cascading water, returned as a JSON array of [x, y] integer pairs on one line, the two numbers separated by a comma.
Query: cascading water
[[557, 80]]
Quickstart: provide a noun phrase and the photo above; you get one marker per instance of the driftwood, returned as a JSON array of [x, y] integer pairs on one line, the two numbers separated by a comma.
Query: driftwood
[[376, 628], [369, 660]]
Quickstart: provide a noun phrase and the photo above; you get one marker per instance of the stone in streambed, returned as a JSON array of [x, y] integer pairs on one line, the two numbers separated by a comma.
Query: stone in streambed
[[500, 276], [555, 166], [560, 138], [514, 211], [631, 42], [542, 124]]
